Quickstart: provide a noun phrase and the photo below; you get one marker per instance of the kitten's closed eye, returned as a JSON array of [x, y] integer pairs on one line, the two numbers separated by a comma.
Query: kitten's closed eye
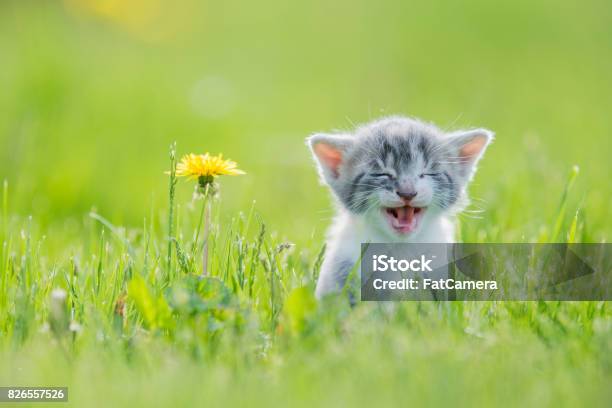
[[381, 175], [422, 175]]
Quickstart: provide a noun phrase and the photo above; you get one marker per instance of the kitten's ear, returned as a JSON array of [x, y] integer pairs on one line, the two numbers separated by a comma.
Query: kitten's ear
[[468, 147], [329, 152]]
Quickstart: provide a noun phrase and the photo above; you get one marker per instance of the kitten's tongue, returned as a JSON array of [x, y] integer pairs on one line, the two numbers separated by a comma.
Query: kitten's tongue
[[403, 219], [405, 215]]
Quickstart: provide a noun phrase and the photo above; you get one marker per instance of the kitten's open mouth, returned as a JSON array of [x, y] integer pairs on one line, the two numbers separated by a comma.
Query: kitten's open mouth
[[404, 219]]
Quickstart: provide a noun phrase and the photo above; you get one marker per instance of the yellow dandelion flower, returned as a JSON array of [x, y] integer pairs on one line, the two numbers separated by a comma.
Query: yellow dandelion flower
[[197, 166]]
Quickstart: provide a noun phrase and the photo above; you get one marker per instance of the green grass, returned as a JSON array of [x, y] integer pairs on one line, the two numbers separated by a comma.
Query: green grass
[[90, 105]]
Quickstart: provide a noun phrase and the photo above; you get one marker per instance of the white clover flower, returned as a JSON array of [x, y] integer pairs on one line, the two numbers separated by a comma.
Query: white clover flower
[[59, 295], [75, 327]]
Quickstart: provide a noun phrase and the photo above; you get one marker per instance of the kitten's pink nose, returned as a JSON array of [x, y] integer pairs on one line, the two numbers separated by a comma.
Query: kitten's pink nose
[[406, 195]]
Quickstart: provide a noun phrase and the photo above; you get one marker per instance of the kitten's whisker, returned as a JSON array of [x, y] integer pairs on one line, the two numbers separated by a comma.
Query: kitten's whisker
[[473, 217], [452, 162], [452, 124], [443, 144], [350, 121]]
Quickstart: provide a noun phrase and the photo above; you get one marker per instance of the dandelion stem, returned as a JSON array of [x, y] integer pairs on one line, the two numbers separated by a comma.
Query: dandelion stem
[[196, 240], [206, 209]]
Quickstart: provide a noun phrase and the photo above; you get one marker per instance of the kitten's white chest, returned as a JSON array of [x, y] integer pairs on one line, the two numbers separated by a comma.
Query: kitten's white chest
[[349, 232]]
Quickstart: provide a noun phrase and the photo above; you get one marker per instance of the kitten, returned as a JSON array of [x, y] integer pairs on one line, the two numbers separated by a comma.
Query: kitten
[[394, 180]]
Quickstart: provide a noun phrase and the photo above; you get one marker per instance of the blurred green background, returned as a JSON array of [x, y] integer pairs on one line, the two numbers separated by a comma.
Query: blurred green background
[[92, 93]]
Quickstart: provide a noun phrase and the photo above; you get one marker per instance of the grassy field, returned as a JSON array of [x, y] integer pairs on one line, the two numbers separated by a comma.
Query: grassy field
[[93, 93]]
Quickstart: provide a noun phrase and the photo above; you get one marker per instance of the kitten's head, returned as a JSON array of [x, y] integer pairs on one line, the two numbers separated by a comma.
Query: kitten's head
[[399, 173]]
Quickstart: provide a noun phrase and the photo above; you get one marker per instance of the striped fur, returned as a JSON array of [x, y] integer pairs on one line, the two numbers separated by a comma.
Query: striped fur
[[368, 169]]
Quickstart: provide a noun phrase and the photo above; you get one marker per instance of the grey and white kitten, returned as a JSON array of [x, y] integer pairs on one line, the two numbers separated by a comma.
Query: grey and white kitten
[[394, 180]]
